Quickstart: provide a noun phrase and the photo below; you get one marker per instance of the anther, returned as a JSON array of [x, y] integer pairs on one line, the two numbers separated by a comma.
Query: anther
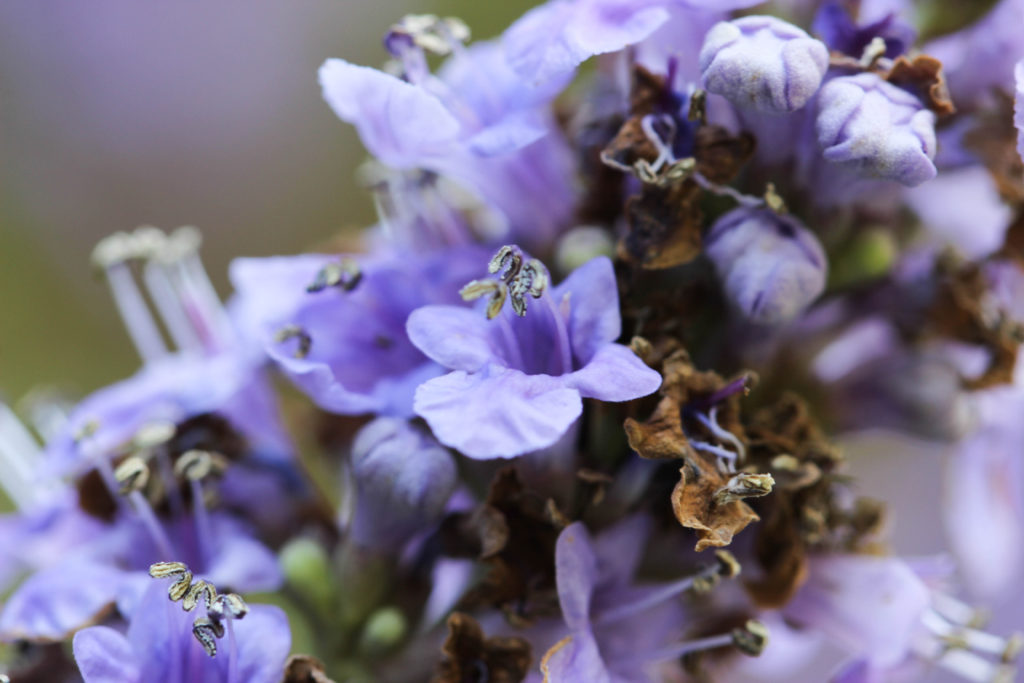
[[345, 274], [431, 33], [197, 464], [751, 639], [207, 631], [153, 434], [532, 279], [698, 106], [477, 289], [201, 590], [726, 567], [230, 605], [177, 590], [132, 475], [744, 485], [506, 263], [295, 332]]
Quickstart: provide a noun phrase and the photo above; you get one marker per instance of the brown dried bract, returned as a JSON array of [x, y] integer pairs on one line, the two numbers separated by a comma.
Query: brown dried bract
[[960, 311], [720, 154], [469, 657], [693, 501], [304, 669], [923, 76], [994, 141], [664, 226], [514, 534]]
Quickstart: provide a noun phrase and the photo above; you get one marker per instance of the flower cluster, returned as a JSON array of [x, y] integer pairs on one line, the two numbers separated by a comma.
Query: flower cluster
[[570, 410]]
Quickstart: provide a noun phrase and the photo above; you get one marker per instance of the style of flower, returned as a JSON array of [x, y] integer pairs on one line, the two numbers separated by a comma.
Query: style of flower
[[518, 380]]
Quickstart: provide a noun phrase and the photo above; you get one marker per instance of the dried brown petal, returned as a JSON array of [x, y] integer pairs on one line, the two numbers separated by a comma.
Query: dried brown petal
[[720, 154], [923, 76], [693, 501], [469, 656], [664, 225], [304, 669]]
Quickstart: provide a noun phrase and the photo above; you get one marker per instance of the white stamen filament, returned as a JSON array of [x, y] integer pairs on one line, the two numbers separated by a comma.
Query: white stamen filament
[[655, 597], [135, 314], [204, 533], [19, 453], [676, 651], [169, 305], [145, 512], [711, 422], [232, 652]]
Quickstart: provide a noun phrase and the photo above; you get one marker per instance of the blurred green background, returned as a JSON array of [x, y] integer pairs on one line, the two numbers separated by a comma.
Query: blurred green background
[[116, 113]]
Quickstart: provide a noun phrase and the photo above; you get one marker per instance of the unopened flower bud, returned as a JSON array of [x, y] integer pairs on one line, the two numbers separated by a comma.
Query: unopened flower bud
[[384, 629], [763, 63], [770, 265], [876, 129], [403, 481]]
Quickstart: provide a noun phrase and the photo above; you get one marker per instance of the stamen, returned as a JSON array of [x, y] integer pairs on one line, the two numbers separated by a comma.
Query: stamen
[[561, 331], [477, 289], [295, 332], [19, 453], [195, 465], [132, 475], [112, 254], [725, 567], [162, 570], [958, 611], [532, 279], [207, 631], [711, 422], [872, 51], [345, 274], [198, 297], [750, 639], [506, 263], [429, 32], [744, 485], [201, 590]]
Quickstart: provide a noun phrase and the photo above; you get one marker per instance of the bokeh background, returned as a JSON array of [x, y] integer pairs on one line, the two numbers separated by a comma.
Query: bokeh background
[[118, 113]]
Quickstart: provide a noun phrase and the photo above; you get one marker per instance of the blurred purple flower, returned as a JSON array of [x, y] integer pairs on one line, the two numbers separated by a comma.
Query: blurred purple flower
[[770, 265], [403, 479], [1018, 106], [838, 29], [764, 63], [159, 646], [876, 129], [348, 350], [476, 122], [518, 381]]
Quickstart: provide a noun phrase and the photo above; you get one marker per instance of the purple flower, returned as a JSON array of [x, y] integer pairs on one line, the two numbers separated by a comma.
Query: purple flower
[[159, 645], [984, 502], [518, 381], [876, 129], [764, 63], [771, 266], [476, 122], [346, 346], [870, 606], [109, 567], [403, 478], [617, 631], [839, 30], [981, 56], [962, 207], [553, 39]]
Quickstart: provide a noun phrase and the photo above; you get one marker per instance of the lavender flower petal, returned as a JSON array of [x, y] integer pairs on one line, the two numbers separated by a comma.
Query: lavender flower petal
[[764, 63], [876, 129], [498, 412], [104, 655]]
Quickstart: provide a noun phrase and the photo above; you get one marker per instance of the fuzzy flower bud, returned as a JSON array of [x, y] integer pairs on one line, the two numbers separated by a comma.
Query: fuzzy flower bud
[[876, 129], [770, 265], [403, 480], [762, 62]]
